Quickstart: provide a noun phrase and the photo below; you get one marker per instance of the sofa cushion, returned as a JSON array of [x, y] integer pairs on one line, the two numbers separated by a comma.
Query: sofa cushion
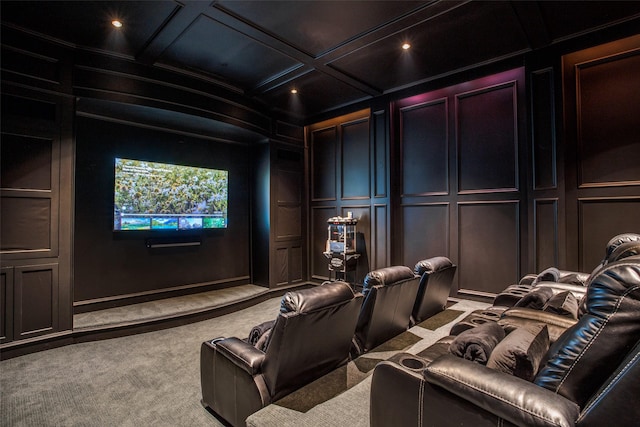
[[521, 352]]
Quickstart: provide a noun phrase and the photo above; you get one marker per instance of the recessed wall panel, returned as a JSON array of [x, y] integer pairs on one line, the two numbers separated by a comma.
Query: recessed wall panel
[[489, 248], [323, 164], [36, 295], [26, 162], [596, 232], [424, 149], [380, 144], [282, 261], [295, 264], [546, 233], [608, 139], [289, 188], [544, 136], [426, 232], [355, 160], [381, 238], [487, 140], [26, 223], [289, 222]]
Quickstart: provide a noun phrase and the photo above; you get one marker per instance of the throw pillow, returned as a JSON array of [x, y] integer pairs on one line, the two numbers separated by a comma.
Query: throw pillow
[[521, 352]]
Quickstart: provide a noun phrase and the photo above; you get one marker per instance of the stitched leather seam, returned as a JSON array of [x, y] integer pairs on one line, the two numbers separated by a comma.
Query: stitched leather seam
[[497, 397], [588, 346], [609, 386]]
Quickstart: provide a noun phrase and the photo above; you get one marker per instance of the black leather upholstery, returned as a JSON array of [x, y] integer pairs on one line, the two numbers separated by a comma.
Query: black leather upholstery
[[589, 378], [436, 276], [310, 337], [390, 294]]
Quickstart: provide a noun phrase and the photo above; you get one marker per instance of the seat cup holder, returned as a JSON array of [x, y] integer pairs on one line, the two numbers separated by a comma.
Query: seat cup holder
[[477, 321], [413, 363], [490, 314]]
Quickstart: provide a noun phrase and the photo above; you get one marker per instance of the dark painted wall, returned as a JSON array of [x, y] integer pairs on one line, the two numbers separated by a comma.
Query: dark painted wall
[[108, 264]]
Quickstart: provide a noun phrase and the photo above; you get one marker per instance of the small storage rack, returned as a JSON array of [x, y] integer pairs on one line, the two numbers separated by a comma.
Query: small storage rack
[[341, 250]]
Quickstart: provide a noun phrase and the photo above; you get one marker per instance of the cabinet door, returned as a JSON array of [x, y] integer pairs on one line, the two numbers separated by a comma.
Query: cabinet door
[[36, 300]]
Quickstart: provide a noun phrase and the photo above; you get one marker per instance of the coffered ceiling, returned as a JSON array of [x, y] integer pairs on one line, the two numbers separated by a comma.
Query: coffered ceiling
[[335, 53]]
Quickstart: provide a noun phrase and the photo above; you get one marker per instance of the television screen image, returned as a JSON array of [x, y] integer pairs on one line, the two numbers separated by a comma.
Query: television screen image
[[162, 196]]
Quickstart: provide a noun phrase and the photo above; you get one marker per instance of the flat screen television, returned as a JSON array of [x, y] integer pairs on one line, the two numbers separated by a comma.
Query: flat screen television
[[162, 196]]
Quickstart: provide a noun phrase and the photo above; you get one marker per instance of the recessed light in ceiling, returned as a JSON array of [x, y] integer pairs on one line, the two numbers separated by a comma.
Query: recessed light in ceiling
[[294, 91], [406, 46], [116, 23]]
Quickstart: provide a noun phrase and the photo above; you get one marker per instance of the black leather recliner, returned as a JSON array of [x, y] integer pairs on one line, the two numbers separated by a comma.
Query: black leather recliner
[[436, 277], [590, 377], [389, 297], [310, 337]]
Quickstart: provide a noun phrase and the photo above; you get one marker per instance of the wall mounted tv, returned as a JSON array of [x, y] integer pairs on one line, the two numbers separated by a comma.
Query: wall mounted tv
[[162, 196]]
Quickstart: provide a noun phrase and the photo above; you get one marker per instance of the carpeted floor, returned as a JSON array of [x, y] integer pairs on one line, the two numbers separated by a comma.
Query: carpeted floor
[[153, 379]]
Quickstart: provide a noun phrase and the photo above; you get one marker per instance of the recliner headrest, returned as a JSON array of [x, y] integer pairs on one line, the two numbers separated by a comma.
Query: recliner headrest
[[618, 240], [432, 264], [624, 250], [307, 300], [387, 276]]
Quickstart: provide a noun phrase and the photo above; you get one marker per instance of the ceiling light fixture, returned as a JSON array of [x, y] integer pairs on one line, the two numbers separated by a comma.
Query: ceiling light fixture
[[116, 23], [294, 91], [406, 46]]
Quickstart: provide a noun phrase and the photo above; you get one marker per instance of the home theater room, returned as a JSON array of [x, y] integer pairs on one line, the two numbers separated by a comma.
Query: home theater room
[[320, 213]]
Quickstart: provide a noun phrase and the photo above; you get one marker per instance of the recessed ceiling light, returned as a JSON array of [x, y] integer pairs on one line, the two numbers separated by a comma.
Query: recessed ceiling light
[[116, 23], [406, 46], [294, 90]]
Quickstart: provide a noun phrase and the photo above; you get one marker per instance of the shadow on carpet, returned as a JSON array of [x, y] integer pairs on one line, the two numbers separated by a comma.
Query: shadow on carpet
[[347, 376]]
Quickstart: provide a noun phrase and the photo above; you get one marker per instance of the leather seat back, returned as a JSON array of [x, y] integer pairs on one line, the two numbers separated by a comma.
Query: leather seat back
[[390, 294], [311, 336], [586, 355], [436, 277]]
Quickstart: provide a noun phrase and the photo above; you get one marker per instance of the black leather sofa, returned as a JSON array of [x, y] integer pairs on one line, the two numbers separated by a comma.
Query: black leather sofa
[[310, 337], [587, 377], [436, 277]]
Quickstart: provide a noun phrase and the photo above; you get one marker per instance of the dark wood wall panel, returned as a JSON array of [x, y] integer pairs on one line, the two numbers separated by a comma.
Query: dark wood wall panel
[[363, 242], [289, 186], [489, 251], [543, 129], [6, 304], [288, 222], [323, 164], [425, 148], [26, 224], [608, 141], [282, 261], [295, 264], [601, 100], [26, 162], [381, 237], [488, 139], [319, 216], [380, 152], [36, 300], [546, 234], [426, 232], [596, 229], [355, 160]]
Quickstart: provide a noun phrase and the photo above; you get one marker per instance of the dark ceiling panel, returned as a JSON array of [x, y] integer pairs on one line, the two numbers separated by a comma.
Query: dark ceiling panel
[[88, 24], [566, 18], [317, 92], [470, 34], [315, 27], [216, 49]]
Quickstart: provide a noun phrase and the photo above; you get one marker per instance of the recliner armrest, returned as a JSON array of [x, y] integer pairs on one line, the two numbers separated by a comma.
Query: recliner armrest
[[241, 353], [511, 398]]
